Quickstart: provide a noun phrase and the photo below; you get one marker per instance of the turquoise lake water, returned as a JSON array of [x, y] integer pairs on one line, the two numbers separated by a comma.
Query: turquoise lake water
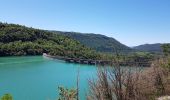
[[38, 78]]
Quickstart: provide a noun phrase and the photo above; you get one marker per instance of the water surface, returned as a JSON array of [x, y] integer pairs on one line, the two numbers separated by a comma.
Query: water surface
[[37, 78]]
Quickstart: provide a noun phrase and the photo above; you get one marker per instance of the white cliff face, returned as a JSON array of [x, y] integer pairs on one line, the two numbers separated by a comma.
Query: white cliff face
[[164, 98]]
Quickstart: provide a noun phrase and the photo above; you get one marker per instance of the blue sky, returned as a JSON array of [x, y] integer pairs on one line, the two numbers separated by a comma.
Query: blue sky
[[132, 22]]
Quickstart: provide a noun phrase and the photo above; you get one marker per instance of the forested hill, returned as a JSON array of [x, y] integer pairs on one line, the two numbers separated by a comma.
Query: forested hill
[[149, 47], [21, 40], [98, 42]]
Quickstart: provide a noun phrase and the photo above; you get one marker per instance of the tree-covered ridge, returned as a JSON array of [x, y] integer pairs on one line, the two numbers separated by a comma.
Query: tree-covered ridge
[[149, 47], [98, 42], [21, 40]]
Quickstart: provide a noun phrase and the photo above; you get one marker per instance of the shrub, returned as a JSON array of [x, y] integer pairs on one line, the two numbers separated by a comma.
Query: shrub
[[7, 97]]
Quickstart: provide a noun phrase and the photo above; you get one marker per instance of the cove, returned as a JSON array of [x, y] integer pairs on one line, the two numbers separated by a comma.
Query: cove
[[38, 78]]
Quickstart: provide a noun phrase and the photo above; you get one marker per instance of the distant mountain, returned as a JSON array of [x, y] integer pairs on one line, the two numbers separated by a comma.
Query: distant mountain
[[98, 42], [149, 47]]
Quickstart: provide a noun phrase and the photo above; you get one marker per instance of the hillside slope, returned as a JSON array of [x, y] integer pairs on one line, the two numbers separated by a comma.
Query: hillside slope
[[21, 40], [149, 47], [98, 42]]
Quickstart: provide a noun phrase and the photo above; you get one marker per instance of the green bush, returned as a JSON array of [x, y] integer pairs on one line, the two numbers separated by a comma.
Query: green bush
[[6, 97]]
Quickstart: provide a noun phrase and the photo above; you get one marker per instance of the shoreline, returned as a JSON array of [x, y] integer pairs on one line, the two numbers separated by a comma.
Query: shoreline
[[97, 62]]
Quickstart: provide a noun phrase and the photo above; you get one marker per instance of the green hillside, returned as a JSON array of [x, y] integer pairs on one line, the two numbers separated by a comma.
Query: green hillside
[[149, 47], [18, 40], [98, 42]]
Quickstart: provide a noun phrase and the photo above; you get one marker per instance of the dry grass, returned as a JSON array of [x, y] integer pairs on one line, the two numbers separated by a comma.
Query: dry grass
[[121, 84]]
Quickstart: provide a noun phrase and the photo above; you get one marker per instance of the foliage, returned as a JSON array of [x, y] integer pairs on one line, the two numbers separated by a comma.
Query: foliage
[[98, 42], [117, 83], [140, 56], [20, 40], [166, 49], [154, 48], [67, 94], [166, 61], [7, 97]]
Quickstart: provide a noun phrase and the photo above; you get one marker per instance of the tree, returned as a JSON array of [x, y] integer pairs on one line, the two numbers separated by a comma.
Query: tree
[[166, 49]]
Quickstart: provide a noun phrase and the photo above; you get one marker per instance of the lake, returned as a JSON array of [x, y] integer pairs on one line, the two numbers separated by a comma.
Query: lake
[[38, 78]]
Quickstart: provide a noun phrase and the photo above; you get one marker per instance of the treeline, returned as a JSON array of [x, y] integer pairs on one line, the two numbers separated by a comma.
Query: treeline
[[16, 40], [98, 42]]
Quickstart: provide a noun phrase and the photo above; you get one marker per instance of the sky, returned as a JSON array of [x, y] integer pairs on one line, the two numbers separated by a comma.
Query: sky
[[132, 22]]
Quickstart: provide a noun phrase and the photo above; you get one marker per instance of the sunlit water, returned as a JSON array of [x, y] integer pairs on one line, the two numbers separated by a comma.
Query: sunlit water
[[38, 78]]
